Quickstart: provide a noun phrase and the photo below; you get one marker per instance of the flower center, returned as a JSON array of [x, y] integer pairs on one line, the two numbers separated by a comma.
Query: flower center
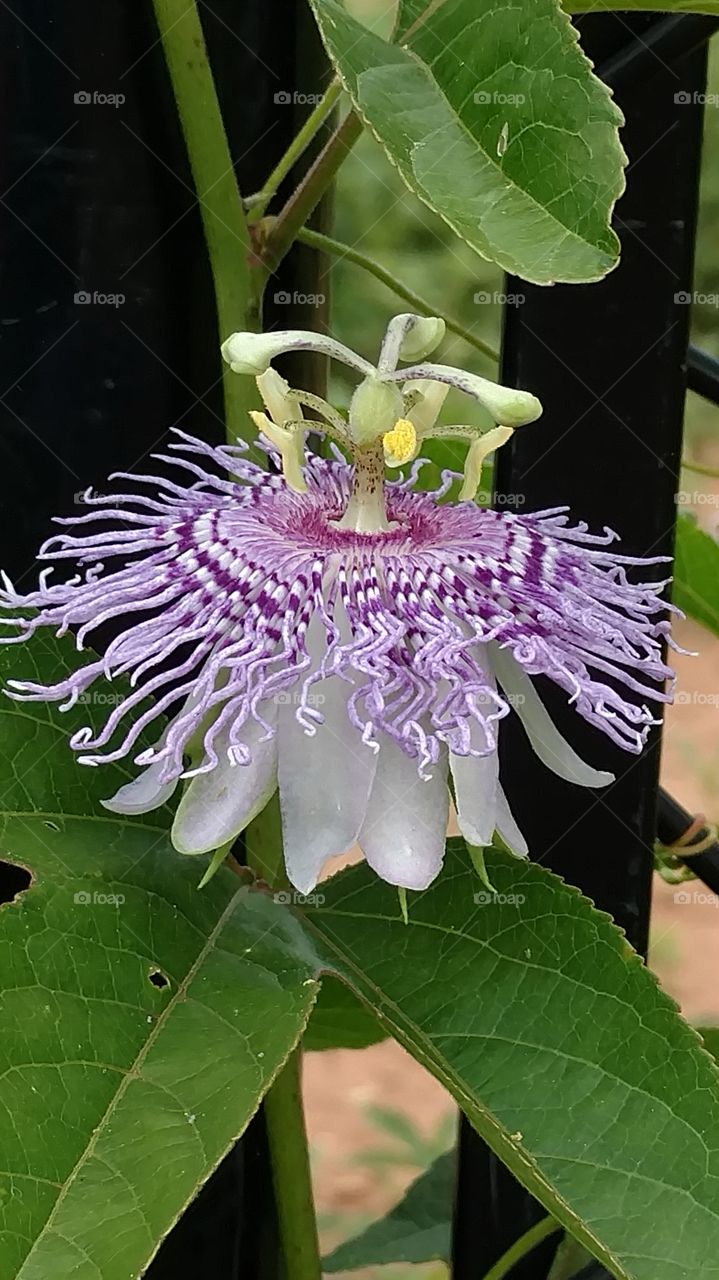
[[366, 511]]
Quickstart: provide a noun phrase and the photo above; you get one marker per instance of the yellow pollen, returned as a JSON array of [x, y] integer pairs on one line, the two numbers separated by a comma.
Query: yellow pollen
[[400, 443]]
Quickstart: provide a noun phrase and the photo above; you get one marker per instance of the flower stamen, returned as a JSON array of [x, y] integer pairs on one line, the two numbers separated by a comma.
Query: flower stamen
[[400, 444]]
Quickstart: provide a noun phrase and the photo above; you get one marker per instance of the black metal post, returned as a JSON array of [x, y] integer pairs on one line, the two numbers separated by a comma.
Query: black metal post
[[108, 333], [608, 362]]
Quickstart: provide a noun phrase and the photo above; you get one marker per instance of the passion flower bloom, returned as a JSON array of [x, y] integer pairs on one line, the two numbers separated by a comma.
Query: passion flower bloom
[[343, 637]]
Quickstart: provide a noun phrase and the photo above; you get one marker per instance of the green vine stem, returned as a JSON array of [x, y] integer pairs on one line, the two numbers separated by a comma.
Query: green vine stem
[[325, 244], [289, 222], [700, 469], [236, 277], [296, 149], [283, 1105], [289, 1156], [524, 1245]]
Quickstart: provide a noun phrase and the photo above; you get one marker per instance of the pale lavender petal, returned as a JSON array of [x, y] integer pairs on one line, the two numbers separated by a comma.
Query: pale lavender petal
[[325, 774], [219, 804], [476, 789], [546, 740], [507, 827], [145, 793], [405, 827]]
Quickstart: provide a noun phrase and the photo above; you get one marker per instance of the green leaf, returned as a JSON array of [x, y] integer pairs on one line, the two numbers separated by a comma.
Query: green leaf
[[416, 1230], [411, 11], [494, 119], [340, 1021], [628, 6], [556, 1041], [141, 1021], [710, 1036], [695, 588]]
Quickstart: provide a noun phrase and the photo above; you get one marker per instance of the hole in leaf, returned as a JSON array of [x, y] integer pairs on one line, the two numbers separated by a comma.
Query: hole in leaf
[[51, 826], [14, 880], [158, 979]]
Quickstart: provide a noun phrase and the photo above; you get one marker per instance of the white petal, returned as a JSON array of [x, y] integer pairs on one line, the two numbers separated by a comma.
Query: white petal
[[143, 794], [218, 805], [276, 397], [507, 405], [252, 353], [425, 413], [507, 827], [476, 787], [405, 829], [325, 781], [548, 743]]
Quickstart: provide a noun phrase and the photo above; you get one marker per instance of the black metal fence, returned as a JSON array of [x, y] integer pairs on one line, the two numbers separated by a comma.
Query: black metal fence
[[98, 200]]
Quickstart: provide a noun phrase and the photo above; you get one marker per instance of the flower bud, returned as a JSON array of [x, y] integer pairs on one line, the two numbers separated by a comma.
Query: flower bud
[[507, 405], [424, 336], [374, 409], [251, 353]]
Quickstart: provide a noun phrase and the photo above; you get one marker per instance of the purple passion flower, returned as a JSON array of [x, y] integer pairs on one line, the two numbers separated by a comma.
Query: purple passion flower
[[342, 636]]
